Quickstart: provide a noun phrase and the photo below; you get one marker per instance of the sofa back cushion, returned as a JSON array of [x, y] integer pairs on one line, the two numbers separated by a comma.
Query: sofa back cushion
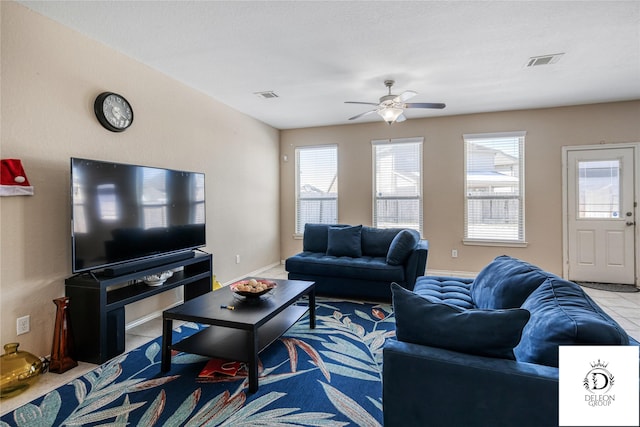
[[425, 321], [505, 283], [376, 241], [401, 246], [562, 314], [344, 241], [315, 237]]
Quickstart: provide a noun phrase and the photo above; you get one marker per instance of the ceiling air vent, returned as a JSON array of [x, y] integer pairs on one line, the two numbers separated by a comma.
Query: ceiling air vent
[[266, 95], [534, 61]]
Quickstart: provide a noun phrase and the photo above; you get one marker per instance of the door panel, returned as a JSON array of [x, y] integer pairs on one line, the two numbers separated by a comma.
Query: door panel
[[600, 215], [586, 247], [615, 249]]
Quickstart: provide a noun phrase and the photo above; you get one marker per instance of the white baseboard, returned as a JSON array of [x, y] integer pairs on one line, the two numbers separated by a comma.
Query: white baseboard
[[150, 316], [252, 273]]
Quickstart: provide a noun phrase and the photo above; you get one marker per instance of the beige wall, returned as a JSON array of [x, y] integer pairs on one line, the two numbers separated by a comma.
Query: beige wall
[[547, 131], [50, 78]]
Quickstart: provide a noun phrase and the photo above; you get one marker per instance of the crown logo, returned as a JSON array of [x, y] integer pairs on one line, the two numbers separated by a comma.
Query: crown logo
[[599, 364]]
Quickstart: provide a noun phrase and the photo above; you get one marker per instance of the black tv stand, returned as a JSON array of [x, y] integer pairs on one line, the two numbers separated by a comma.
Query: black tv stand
[[97, 301]]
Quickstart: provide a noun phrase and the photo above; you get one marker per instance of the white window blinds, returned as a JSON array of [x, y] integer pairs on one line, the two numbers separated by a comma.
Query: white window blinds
[[397, 183], [494, 187], [316, 185]]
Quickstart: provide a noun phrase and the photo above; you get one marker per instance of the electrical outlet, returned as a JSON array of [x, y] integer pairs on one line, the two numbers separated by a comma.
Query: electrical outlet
[[237, 259], [454, 253], [22, 325]]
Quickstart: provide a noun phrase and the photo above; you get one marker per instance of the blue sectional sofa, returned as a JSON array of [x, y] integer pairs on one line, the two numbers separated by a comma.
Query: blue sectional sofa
[[358, 261], [484, 351]]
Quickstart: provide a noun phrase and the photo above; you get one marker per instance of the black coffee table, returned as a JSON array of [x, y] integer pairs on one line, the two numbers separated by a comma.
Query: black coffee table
[[239, 334]]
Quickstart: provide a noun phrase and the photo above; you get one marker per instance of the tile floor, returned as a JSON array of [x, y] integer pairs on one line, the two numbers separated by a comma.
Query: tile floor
[[623, 307]]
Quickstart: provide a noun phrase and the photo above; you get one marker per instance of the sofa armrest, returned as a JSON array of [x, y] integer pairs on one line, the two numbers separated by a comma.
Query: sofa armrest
[[427, 386], [416, 264]]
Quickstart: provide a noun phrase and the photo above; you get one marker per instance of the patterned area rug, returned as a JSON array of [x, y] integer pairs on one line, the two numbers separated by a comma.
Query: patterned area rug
[[328, 376]]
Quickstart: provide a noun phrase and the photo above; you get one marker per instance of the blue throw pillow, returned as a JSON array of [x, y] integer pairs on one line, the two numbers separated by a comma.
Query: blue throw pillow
[[491, 333], [401, 246], [344, 241], [315, 237]]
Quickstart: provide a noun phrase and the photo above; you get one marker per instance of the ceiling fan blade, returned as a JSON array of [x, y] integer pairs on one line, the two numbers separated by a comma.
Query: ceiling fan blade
[[405, 95], [424, 105], [357, 102], [362, 114]]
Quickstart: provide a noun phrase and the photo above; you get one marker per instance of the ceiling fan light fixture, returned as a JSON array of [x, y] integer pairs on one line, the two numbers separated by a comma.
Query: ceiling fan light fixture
[[390, 114]]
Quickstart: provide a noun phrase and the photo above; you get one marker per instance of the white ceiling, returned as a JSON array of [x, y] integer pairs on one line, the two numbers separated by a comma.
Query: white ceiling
[[315, 55]]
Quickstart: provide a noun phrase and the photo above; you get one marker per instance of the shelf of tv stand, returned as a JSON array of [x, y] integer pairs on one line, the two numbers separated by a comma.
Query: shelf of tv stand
[[97, 301], [137, 291]]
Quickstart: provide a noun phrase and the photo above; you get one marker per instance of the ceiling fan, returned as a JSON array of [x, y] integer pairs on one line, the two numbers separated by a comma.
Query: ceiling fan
[[391, 107]]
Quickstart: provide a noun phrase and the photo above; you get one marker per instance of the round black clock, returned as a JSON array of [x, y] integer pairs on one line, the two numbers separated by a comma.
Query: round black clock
[[113, 111]]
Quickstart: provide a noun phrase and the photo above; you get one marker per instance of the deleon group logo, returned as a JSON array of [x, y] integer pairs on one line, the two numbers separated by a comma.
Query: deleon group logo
[[598, 382]]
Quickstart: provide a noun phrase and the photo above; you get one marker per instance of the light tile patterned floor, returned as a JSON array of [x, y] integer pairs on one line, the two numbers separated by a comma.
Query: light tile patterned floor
[[623, 307]]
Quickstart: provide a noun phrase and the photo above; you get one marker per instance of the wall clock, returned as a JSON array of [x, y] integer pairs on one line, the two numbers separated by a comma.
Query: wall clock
[[113, 111]]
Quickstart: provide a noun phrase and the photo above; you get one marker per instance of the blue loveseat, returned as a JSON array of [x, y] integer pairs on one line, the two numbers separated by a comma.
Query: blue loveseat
[[358, 261], [484, 351]]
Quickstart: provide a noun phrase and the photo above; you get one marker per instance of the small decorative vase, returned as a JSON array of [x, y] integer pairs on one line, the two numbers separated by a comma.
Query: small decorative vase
[[18, 370], [62, 349]]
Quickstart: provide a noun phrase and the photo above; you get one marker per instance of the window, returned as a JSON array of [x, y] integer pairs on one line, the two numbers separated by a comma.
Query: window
[[599, 189], [397, 183], [316, 185], [494, 188]]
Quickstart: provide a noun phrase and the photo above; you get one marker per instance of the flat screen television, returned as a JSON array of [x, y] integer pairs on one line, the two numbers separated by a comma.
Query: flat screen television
[[125, 215]]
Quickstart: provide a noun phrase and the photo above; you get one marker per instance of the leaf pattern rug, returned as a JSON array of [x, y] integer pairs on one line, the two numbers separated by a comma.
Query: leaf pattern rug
[[327, 376]]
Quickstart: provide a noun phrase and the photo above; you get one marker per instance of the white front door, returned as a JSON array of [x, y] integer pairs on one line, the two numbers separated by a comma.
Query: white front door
[[601, 215]]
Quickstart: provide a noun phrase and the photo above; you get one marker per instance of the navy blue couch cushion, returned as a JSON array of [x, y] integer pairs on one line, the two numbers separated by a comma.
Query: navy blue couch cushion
[[364, 268], [505, 283], [491, 333], [376, 241], [344, 241], [401, 246], [562, 314], [449, 290]]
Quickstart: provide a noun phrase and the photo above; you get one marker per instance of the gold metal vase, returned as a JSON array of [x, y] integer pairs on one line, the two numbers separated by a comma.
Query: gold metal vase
[[18, 370]]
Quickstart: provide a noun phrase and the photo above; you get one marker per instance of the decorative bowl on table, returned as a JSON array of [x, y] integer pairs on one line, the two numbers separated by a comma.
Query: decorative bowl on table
[[157, 279], [252, 288]]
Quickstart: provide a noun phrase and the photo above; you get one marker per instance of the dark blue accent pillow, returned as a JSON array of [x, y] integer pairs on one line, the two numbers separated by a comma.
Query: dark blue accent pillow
[[490, 333], [315, 237], [401, 246], [344, 241]]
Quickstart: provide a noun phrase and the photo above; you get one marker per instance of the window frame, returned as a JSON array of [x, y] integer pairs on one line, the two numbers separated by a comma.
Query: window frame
[[298, 232], [397, 141], [497, 241]]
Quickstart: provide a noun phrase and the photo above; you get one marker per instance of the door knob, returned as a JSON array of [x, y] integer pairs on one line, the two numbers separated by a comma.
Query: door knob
[[630, 223]]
